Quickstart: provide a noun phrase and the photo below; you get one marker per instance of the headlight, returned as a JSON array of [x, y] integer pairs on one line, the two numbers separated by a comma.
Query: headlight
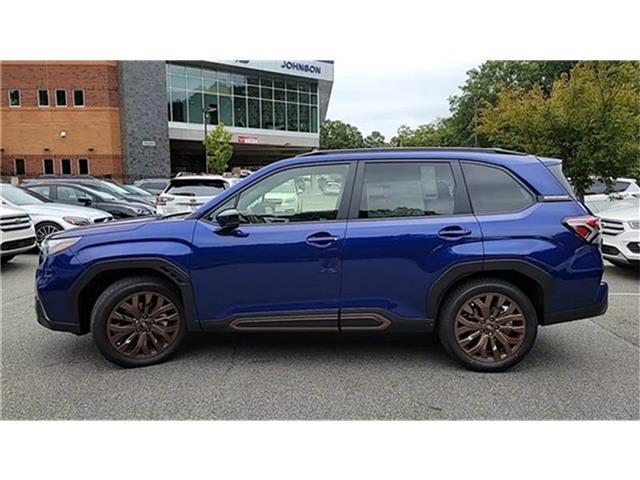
[[51, 247], [634, 224], [78, 221], [142, 211]]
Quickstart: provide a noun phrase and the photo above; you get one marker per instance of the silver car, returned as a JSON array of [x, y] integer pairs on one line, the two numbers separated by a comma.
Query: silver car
[[49, 217]]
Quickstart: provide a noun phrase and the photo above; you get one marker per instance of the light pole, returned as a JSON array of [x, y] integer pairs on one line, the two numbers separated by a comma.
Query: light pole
[[210, 109]]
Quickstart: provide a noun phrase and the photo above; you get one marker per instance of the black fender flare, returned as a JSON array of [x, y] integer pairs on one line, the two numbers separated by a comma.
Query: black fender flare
[[165, 268], [458, 272]]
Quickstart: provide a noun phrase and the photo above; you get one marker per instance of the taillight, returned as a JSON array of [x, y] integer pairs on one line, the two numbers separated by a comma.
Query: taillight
[[163, 200], [586, 227]]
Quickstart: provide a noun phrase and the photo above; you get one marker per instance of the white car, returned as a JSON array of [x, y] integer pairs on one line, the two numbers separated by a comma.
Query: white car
[[620, 188], [620, 226], [186, 193], [49, 217], [16, 232]]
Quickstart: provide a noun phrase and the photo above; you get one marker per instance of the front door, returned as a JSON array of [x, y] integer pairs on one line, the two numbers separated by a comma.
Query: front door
[[409, 223], [281, 268]]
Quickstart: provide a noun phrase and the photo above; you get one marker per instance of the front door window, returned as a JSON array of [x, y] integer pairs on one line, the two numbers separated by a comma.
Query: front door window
[[305, 194]]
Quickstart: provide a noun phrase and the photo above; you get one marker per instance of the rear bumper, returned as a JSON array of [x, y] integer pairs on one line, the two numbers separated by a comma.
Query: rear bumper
[[598, 308], [43, 320]]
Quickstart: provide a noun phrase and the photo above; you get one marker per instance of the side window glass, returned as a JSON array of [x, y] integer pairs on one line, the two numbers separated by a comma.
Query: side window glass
[[42, 190], [300, 194], [68, 193], [407, 189], [493, 190], [229, 204]]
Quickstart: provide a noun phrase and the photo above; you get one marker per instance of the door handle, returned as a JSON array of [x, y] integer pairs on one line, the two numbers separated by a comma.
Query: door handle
[[321, 239], [453, 232]]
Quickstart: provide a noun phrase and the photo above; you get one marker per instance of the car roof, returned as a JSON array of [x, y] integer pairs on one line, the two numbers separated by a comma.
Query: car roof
[[491, 155], [505, 158], [199, 177]]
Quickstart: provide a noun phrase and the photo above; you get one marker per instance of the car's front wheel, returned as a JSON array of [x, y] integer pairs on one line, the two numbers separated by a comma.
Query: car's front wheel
[[44, 229], [487, 325], [138, 321]]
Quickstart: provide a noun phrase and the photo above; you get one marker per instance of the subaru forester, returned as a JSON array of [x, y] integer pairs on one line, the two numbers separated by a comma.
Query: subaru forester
[[481, 246]]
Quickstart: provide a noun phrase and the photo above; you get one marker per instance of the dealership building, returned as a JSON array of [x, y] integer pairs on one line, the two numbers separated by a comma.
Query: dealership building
[[136, 119]]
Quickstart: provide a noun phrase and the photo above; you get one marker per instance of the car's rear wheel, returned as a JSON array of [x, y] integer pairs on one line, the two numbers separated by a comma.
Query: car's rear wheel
[[487, 325], [138, 321], [44, 229]]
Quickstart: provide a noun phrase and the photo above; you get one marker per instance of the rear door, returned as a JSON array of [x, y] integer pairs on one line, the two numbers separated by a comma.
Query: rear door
[[409, 222]]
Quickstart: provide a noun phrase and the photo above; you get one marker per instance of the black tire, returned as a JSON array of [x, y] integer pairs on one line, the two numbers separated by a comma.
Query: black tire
[[45, 227], [6, 259], [117, 293], [466, 292]]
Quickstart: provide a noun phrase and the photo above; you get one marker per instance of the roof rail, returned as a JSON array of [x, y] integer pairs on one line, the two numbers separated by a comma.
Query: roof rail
[[413, 149]]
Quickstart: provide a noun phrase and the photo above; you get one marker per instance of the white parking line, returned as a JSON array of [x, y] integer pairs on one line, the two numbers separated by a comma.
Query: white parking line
[[631, 294]]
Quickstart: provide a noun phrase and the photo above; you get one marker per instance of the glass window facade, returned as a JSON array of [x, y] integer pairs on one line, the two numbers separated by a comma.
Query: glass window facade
[[250, 101]]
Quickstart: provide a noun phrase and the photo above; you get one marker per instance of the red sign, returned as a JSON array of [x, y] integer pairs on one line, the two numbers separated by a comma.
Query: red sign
[[247, 139]]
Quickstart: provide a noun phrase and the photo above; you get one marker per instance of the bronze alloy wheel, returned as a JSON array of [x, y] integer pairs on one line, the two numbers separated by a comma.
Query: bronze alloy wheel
[[490, 327], [143, 325]]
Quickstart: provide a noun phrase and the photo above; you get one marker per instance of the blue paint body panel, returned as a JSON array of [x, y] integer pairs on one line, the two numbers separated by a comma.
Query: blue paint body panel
[[388, 265]]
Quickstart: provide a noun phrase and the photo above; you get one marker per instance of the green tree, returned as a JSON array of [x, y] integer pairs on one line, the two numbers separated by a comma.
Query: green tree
[[374, 140], [483, 86], [435, 134], [590, 118], [335, 134], [219, 149]]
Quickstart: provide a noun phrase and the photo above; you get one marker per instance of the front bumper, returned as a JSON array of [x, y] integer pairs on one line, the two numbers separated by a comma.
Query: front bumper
[[599, 307], [15, 247], [43, 320], [624, 247]]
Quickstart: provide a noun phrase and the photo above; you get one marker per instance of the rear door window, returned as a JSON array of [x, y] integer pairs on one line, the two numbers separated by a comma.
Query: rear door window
[[492, 190], [196, 187], [407, 189]]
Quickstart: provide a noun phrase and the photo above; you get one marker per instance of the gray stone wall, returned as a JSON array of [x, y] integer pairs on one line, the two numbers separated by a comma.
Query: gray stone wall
[[143, 119]]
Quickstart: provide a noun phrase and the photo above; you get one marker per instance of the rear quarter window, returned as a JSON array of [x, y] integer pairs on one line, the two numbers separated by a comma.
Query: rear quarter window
[[556, 171], [492, 190]]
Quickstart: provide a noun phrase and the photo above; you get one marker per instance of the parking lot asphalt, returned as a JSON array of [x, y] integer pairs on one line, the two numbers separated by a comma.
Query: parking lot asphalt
[[587, 369]]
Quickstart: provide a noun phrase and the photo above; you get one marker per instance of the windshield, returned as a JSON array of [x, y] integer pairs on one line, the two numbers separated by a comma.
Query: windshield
[[114, 188], [100, 194], [133, 190], [196, 187], [17, 196]]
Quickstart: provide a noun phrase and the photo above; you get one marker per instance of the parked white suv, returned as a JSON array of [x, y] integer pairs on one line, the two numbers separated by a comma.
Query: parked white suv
[[16, 232], [620, 227], [620, 188], [49, 217], [188, 192]]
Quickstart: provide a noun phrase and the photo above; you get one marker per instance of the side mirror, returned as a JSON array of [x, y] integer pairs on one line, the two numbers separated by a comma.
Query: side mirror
[[228, 219], [85, 201]]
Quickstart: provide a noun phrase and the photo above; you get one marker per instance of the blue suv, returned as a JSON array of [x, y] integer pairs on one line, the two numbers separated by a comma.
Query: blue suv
[[479, 245]]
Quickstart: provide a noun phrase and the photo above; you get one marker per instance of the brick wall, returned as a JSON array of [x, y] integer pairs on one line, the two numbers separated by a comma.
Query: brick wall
[[34, 133]]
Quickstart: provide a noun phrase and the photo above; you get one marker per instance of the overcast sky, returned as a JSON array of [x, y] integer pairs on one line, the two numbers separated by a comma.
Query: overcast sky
[[387, 94]]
